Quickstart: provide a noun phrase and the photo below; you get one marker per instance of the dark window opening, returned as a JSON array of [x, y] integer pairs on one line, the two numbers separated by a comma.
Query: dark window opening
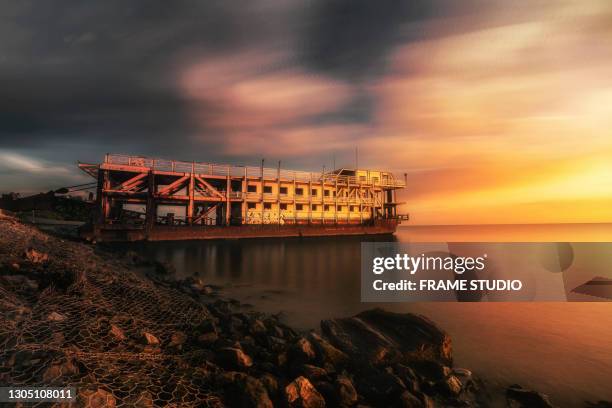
[[251, 188], [251, 206], [299, 207], [283, 190], [267, 206], [283, 206], [299, 191], [267, 189], [314, 192]]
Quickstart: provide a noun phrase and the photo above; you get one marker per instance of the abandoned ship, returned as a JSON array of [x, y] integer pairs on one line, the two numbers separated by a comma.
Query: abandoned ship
[[140, 198]]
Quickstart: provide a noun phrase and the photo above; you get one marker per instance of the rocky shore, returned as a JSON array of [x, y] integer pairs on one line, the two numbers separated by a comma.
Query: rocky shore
[[125, 334]]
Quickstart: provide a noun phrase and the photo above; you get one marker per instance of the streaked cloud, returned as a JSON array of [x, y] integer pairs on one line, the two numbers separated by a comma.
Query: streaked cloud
[[497, 111]]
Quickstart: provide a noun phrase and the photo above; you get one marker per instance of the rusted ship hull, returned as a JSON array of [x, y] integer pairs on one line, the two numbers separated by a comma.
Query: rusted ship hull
[[117, 233]]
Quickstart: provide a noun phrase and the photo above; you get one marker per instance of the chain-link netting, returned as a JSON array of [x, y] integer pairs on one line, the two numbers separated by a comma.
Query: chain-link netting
[[114, 336]]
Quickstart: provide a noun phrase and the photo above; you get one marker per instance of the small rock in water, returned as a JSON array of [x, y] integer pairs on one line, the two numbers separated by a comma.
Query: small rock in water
[[520, 397], [599, 404], [300, 393]]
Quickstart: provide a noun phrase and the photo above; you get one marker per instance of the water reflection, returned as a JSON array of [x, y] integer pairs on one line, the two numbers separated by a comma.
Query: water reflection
[[563, 349]]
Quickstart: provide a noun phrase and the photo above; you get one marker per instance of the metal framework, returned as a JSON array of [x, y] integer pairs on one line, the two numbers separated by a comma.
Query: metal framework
[[144, 192]]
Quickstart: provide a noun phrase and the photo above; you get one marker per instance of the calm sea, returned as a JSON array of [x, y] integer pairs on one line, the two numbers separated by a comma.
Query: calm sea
[[562, 349]]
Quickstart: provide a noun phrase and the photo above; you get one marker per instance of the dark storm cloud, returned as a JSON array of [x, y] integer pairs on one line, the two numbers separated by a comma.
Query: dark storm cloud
[[79, 79], [103, 71], [351, 38]]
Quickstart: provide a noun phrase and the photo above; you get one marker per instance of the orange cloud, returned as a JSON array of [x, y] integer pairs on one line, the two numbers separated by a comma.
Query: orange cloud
[[502, 124]]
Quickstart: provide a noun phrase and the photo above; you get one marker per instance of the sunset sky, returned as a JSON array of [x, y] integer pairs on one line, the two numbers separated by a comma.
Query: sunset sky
[[498, 111]]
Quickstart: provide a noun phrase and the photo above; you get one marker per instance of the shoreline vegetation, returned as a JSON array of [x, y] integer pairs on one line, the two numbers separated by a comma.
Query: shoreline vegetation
[[124, 332]]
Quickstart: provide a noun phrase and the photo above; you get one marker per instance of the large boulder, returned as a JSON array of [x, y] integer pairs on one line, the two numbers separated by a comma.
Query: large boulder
[[382, 337]]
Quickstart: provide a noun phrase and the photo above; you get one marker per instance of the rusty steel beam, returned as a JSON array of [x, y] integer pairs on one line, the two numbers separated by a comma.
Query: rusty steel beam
[[208, 187], [131, 183], [173, 187]]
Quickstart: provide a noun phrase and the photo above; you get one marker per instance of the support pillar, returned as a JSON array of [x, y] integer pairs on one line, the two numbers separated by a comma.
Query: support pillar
[[228, 203], [151, 215], [190, 206], [243, 204]]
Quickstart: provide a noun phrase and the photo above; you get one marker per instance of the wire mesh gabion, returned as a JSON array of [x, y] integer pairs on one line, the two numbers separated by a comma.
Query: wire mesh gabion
[[106, 331]]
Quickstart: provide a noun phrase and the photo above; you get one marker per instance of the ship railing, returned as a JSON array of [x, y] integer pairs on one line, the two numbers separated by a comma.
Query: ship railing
[[244, 171]]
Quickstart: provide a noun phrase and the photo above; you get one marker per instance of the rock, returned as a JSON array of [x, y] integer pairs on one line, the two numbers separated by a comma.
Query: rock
[[409, 400], [242, 390], [60, 369], [301, 352], [347, 395], [270, 382], [56, 317], [143, 400], [99, 398], [233, 357], [151, 349], [311, 372], [326, 353], [452, 385], [150, 339], [257, 327], [380, 337], [465, 376], [35, 256], [178, 339], [520, 397], [117, 333], [20, 281], [599, 404], [300, 393], [381, 386], [208, 338]]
